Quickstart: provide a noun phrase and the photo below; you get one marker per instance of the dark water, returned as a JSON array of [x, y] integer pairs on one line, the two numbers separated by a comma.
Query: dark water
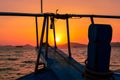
[[16, 62], [19, 61]]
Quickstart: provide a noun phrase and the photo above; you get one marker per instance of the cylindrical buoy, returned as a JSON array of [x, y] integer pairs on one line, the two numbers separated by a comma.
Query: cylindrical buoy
[[99, 48]]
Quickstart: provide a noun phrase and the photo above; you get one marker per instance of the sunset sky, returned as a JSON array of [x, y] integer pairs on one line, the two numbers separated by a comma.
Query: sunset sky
[[21, 30]]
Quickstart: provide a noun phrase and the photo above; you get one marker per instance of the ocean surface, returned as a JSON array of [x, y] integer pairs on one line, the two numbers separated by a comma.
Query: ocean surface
[[16, 62]]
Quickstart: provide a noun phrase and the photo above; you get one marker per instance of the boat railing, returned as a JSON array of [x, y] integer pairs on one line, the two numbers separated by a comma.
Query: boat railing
[[45, 26]]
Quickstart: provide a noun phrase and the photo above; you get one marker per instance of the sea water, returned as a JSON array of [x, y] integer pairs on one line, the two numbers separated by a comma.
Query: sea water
[[16, 62]]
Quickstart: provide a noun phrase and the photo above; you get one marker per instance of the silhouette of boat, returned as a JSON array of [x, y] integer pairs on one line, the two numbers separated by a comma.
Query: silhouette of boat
[[53, 64]]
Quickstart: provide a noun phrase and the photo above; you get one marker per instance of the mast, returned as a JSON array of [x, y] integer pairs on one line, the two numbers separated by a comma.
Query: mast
[[41, 6]]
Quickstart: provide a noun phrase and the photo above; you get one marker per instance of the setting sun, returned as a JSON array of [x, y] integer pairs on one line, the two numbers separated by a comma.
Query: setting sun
[[57, 39]]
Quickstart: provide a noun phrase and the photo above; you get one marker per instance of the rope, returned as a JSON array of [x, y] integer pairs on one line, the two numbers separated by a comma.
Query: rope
[[92, 75]]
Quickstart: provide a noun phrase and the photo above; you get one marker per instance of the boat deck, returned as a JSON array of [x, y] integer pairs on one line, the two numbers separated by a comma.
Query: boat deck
[[60, 67]]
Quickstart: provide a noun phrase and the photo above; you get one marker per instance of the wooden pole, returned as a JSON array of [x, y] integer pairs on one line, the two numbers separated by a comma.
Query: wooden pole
[[37, 44], [68, 37], [47, 31], [54, 34], [92, 20]]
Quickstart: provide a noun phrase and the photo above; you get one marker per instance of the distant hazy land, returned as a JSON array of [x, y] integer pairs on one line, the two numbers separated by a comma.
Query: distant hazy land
[[115, 44], [72, 44], [75, 45], [18, 46]]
